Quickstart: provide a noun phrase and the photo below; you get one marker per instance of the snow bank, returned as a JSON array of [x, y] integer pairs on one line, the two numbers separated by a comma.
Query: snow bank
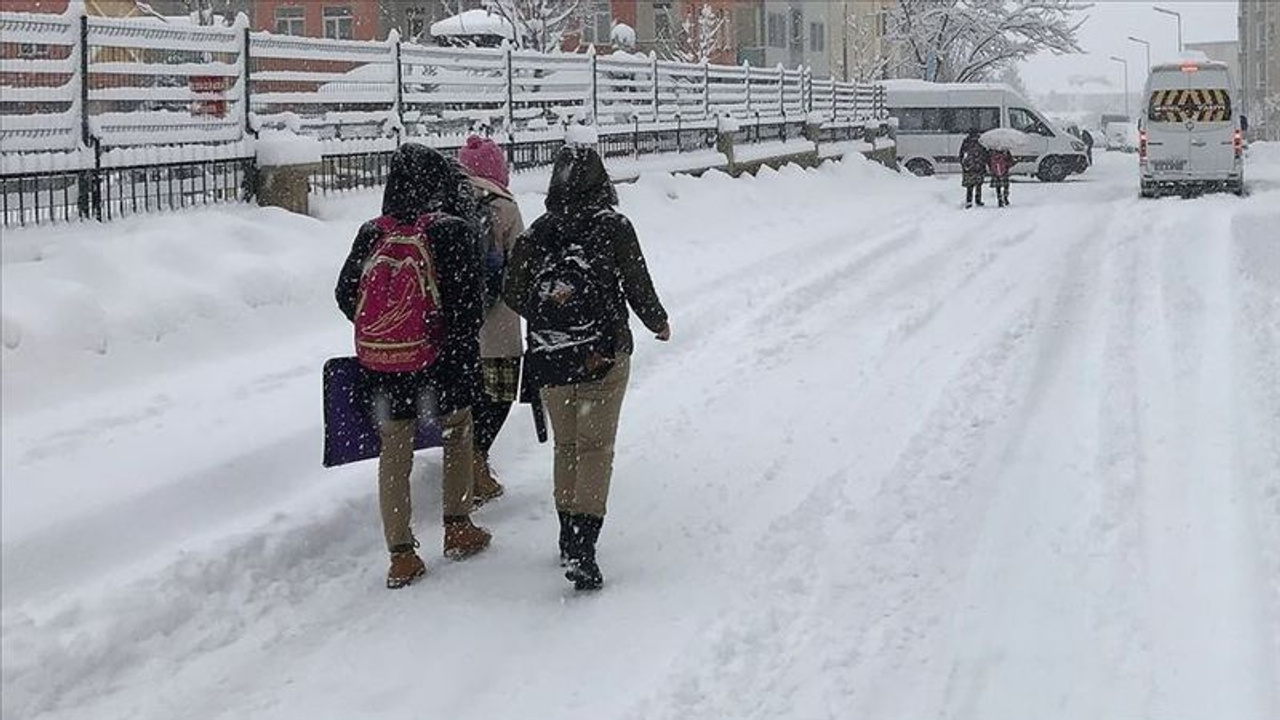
[[75, 292], [281, 147]]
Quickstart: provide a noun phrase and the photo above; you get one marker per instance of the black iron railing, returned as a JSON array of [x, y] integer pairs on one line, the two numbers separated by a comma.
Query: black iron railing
[[111, 192]]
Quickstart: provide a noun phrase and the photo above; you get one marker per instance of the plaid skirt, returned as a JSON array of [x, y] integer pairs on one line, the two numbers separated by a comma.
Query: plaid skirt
[[501, 379]]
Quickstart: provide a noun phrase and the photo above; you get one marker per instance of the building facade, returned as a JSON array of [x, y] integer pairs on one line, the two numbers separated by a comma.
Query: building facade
[[1224, 51], [1259, 62], [334, 19]]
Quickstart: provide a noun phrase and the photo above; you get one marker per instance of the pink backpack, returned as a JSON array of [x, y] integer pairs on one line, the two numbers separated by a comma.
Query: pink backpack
[[399, 325]]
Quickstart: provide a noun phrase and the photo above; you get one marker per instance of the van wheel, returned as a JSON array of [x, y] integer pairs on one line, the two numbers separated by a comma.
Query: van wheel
[[1054, 169], [920, 168]]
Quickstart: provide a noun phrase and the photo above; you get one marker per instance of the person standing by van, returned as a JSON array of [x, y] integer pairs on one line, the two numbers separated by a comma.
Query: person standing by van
[[500, 343], [973, 164], [572, 277], [1000, 164], [412, 287], [1086, 137]]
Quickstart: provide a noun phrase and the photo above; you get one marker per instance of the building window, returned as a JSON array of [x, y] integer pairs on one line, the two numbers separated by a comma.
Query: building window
[[662, 20], [597, 22], [817, 37], [339, 24], [777, 30], [797, 29], [415, 23], [290, 21]]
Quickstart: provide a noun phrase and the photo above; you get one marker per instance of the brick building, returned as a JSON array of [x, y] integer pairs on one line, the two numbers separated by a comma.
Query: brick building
[[1260, 66]]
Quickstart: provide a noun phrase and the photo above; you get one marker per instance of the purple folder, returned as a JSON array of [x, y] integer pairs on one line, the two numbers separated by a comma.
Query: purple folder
[[350, 433]]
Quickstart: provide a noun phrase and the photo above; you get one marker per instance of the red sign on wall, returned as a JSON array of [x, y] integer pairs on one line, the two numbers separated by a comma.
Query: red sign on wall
[[216, 88]]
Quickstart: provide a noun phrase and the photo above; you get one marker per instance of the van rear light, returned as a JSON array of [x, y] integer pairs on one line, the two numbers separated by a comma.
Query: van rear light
[[1237, 141], [1142, 145], [1190, 68]]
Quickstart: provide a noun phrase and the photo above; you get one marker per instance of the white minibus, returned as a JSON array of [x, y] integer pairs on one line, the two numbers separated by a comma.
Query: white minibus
[[933, 119], [1191, 136]]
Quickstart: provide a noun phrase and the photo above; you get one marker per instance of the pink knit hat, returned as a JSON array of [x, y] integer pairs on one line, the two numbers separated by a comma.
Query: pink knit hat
[[482, 158]]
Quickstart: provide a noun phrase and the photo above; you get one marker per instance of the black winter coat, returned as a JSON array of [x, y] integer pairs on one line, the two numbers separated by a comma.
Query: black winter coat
[[973, 160], [423, 181], [580, 212]]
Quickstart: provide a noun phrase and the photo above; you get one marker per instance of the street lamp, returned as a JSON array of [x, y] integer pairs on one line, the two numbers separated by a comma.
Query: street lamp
[[1178, 15], [1140, 41], [1125, 63]]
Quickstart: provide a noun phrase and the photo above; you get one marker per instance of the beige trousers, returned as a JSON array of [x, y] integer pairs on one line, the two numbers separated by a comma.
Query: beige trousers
[[395, 464], [584, 418]]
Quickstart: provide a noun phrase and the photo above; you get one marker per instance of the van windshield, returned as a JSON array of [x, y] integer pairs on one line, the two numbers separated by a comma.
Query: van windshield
[[1199, 105]]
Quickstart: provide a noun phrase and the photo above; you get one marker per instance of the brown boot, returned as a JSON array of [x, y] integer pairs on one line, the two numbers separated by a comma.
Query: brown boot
[[462, 539], [406, 567], [486, 486]]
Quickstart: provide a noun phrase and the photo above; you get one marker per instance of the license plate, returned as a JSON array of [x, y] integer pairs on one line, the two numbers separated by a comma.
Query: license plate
[[1168, 165]]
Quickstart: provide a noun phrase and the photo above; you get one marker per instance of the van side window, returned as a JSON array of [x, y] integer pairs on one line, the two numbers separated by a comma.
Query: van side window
[[1022, 119], [982, 119], [920, 121]]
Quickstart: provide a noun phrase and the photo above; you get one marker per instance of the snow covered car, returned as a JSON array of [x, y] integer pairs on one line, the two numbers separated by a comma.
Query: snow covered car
[[1191, 137], [933, 119], [1121, 137]]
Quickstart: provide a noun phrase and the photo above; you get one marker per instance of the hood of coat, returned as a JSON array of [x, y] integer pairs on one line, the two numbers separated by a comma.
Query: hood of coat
[[422, 180], [579, 182]]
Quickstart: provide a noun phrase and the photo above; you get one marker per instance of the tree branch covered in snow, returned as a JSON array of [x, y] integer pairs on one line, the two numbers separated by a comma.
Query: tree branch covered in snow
[[972, 40], [702, 35], [540, 25], [864, 53]]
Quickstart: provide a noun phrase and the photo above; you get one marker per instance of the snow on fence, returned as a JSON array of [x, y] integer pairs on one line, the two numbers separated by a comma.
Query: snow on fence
[[103, 116]]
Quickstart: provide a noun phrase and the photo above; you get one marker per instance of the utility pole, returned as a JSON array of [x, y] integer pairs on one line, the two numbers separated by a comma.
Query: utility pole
[[1125, 63], [1178, 15], [1146, 44]]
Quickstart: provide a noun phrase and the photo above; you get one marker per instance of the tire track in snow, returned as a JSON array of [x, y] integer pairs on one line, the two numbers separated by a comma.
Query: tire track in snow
[[805, 561]]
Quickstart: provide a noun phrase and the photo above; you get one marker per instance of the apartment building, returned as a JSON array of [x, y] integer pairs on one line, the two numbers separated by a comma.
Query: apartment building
[[1260, 66]]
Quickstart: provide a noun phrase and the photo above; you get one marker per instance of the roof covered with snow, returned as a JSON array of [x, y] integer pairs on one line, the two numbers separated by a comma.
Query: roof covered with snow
[[474, 22]]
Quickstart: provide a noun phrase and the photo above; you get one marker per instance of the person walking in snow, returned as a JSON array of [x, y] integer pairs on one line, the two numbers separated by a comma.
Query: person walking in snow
[[1000, 165], [1086, 137], [500, 342], [412, 287], [973, 164], [572, 277]]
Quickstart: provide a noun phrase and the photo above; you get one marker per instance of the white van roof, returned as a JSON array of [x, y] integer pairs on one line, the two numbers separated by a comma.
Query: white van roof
[[926, 86], [1178, 65]]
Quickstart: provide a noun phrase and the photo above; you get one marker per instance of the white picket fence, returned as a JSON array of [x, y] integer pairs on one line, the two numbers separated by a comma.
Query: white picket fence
[[143, 91]]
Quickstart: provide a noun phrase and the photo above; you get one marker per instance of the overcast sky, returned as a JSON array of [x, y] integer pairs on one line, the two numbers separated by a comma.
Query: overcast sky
[[1104, 34]]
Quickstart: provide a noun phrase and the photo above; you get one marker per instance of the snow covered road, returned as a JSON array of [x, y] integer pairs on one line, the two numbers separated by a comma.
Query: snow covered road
[[900, 461]]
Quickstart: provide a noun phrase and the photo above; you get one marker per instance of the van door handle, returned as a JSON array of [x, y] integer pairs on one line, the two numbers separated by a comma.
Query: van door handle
[[1199, 143], [1155, 144]]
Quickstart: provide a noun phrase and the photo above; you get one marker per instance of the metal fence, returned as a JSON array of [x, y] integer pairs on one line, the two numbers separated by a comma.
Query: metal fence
[[103, 117]]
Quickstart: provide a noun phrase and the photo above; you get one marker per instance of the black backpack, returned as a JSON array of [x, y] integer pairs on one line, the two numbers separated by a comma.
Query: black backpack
[[492, 254], [572, 328]]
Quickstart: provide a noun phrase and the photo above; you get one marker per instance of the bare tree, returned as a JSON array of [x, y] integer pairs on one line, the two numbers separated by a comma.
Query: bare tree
[[863, 57], [702, 35], [1011, 77], [971, 40], [541, 25]]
